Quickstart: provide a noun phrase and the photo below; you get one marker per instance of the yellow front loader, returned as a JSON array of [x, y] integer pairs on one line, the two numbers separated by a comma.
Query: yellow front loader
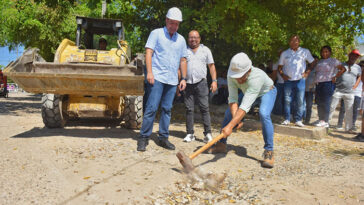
[[84, 81]]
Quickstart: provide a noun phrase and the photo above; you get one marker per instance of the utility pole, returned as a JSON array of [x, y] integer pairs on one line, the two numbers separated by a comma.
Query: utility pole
[[103, 9]]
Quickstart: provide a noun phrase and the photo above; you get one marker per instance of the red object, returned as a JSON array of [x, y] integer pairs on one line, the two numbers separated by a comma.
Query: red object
[[3, 79], [356, 52]]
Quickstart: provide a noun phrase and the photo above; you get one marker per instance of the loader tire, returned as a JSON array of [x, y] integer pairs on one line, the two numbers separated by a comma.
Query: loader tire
[[133, 112], [52, 111]]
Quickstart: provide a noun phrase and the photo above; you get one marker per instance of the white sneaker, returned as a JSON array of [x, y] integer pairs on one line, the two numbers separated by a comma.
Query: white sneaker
[[326, 125], [321, 123], [189, 138], [339, 128], [299, 124], [208, 138], [286, 122]]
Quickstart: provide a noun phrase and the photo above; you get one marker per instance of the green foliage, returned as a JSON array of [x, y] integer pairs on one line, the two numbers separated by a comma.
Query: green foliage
[[256, 27]]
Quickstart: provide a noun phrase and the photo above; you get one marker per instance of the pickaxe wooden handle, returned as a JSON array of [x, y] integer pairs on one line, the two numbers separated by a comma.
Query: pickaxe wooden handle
[[206, 146]]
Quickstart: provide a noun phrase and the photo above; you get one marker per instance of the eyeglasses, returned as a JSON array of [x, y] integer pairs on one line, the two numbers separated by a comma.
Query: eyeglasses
[[193, 37]]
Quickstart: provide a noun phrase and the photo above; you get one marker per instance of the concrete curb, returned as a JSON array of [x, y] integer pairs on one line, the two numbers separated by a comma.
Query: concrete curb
[[252, 123]]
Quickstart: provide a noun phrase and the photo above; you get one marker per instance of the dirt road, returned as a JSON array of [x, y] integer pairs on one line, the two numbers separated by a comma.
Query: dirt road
[[97, 163]]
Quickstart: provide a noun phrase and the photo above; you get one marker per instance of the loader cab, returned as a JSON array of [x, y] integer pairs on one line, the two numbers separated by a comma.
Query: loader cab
[[90, 30]]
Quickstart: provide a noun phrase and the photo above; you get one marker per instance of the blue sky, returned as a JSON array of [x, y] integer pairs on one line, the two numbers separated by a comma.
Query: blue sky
[[6, 57]]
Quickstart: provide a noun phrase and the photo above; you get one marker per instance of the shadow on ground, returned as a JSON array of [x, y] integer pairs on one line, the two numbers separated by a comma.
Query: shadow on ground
[[238, 150], [121, 133], [29, 104], [342, 135]]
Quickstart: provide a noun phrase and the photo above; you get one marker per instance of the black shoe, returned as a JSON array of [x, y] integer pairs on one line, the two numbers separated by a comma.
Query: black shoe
[[142, 144], [359, 138], [163, 142]]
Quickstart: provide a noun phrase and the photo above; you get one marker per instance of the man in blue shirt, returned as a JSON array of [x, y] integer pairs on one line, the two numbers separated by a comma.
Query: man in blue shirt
[[166, 52]]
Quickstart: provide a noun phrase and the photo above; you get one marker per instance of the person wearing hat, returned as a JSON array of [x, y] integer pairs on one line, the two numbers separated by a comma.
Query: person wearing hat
[[254, 83], [166, 52], [346, 84], [102, 43]]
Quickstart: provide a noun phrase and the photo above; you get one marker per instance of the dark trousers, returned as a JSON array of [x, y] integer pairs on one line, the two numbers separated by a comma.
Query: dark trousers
[[308, 102], [324, 92], [356, 105], [200, 92], [279, 103]]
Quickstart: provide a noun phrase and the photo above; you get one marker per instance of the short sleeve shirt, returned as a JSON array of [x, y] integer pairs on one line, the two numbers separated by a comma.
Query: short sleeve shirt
[[279, 77], [196, 63], [294, 62], [347, 80], [258, 84], [326, 69], [167, 54]]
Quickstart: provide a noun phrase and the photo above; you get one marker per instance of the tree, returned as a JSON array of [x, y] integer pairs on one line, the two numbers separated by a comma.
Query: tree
[[256, 27]]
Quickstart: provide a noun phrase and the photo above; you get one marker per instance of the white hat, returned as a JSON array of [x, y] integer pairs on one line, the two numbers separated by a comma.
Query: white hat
[[175, 14], [239, 65]]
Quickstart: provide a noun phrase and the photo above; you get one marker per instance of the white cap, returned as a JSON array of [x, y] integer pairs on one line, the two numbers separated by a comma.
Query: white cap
[[239, 65], [175, 14]]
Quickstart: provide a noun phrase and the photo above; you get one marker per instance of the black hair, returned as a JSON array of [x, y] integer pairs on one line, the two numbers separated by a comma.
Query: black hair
[[327, 47], [361, 63]]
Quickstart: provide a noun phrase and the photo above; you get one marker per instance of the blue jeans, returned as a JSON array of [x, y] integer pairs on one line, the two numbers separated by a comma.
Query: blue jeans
[[324, 92], [163, 94], [356, 106], [279, 104], [298, 87], [308, 103], [265, 110]]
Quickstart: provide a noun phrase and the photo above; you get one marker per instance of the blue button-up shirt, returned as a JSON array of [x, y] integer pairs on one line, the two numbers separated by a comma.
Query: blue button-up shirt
[[167, 54]]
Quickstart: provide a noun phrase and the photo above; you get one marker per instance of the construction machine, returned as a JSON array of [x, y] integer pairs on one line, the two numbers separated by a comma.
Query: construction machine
[[83, 81]]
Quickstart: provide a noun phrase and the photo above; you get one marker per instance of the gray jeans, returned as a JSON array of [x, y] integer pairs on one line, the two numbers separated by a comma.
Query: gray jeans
[[200, 91]]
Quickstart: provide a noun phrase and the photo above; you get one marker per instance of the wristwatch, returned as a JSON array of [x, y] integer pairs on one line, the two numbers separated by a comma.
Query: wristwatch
[[214, 80], [183, 78]]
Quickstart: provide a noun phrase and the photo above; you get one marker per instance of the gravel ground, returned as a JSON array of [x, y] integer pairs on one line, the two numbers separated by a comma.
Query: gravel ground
[[95, 162]]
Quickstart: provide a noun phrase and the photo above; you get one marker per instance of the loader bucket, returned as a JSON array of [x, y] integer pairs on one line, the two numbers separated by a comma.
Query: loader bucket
[[34, 75]]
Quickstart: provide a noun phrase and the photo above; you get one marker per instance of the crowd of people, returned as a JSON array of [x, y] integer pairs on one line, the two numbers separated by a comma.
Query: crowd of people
[[326, 82], [288, 87]]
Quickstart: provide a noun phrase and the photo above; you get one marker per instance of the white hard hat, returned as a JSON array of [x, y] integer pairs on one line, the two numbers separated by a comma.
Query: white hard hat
[[239, 65], [175, 14]]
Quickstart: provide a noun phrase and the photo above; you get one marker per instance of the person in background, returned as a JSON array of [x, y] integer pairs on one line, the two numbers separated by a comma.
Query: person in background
[[269, 68], [309, 94], [326, 75], [292, 67], [345, 86], [3, 81], [198, 56], [102, 44], [166, 52], [360, 136], [262, 67], [356, 105], [220, 96], [279, 103]]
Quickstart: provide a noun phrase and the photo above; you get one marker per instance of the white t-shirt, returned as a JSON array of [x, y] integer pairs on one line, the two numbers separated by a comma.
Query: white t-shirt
[[326, 69], [294, 62], [279, 77], [196, 63]]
